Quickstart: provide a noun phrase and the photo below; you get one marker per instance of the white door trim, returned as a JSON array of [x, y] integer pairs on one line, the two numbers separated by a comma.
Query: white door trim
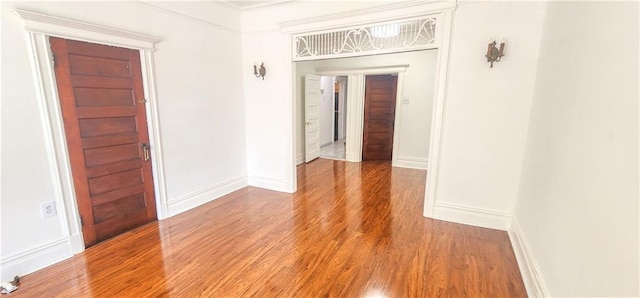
[[437, 118], [355, 117], [39, 27], [444, 10]]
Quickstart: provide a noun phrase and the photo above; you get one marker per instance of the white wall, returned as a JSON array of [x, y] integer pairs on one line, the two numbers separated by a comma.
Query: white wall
[[487, 111], [201, 109], [577, 206], [326, 110], [414, 118]]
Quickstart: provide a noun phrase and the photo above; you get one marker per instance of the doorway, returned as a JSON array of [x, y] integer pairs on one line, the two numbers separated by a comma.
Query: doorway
[[103, 106], [415, 92], [335, 117]]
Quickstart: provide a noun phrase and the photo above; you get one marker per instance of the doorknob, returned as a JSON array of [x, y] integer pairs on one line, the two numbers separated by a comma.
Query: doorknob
[[145, 152]]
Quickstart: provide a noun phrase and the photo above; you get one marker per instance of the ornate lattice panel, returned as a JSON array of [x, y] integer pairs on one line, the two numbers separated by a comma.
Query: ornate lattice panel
[[367, 40]]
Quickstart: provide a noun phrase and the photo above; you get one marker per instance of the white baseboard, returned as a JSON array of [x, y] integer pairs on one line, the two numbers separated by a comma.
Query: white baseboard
[[270, 183], [472, 216], [533, 281], [410, 162], [195, 199], [299, 159], [35, 259], [352, 157]]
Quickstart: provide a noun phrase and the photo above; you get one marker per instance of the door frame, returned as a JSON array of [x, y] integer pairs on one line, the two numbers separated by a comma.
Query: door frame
[[38, 28], [395, 12], [355, 105]]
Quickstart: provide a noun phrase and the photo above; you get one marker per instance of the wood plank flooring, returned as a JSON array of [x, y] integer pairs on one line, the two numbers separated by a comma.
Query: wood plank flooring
[[351, 230]]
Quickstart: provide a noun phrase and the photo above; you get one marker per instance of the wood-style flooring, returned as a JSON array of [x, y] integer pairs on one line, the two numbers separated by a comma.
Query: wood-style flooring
[[351, 230]]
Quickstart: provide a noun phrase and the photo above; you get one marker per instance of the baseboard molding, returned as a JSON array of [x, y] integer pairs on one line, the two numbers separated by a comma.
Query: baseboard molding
[[533, 281], [195, 199], [269, 183], [35, 259], [299, 159], [472, 216], [352, 157], [410, 162]]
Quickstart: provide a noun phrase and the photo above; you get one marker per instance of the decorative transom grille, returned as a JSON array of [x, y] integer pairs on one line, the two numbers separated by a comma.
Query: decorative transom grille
[[370, 39]]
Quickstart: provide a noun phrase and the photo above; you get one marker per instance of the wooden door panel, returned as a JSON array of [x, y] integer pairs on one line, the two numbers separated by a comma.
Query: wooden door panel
[[103, 97], [106, 211], [120, 224], [109, 140], [105, 125], [113, 168], [111, 182], [110, 155], [83, 65], [117, 194], [380, 125], [379, 117], [101, 82], [96, 50], [101, 112]]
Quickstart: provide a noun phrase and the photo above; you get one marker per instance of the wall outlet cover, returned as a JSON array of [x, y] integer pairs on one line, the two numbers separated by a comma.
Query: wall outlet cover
[[48, 209]]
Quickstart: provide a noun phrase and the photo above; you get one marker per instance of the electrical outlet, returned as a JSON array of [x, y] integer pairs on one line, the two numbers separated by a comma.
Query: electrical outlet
[[405, 101], [48, 209]]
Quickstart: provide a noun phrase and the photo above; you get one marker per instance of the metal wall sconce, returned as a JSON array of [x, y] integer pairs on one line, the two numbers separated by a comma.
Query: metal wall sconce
[[259, 72], [493, 54]]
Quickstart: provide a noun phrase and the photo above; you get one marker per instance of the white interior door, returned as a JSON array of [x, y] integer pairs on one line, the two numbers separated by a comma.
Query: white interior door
[[311, 117]]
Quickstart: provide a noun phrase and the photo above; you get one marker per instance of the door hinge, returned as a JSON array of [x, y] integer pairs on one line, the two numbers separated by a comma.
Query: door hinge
[[81, 221], [53, 59]]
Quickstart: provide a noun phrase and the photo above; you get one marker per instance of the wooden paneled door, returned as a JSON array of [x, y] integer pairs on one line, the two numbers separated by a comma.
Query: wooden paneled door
[[379, 117], [103, 107]]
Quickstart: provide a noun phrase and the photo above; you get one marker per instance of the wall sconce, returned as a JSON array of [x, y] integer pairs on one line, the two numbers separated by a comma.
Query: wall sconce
[[259, 72], [493, 54]]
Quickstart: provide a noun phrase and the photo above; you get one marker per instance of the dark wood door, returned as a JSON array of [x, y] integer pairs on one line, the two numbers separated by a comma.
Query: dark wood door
[[379, 117], [103, 107]]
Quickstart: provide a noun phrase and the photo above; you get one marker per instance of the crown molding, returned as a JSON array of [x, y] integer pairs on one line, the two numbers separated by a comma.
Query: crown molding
[[256, 5], [67, 28], [403, 10]]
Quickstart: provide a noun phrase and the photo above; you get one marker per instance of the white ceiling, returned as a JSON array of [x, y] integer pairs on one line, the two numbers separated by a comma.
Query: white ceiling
[[248, 4]]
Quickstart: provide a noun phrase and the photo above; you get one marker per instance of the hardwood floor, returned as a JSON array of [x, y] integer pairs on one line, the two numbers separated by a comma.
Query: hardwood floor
[[351, 230]]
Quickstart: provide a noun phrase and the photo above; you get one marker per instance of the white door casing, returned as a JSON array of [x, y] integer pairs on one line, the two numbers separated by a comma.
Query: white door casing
[[38, 28], [387, 14], [311, 117]]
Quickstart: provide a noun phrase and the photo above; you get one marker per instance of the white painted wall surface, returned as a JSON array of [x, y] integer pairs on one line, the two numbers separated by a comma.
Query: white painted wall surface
[[487, 110], [578, 201], [326, 110], [414, 118], [201, 114], [265, 111]]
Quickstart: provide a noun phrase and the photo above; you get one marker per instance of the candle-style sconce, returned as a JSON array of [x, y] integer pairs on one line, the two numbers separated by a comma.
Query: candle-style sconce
[[493, 53], [259, 72]]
